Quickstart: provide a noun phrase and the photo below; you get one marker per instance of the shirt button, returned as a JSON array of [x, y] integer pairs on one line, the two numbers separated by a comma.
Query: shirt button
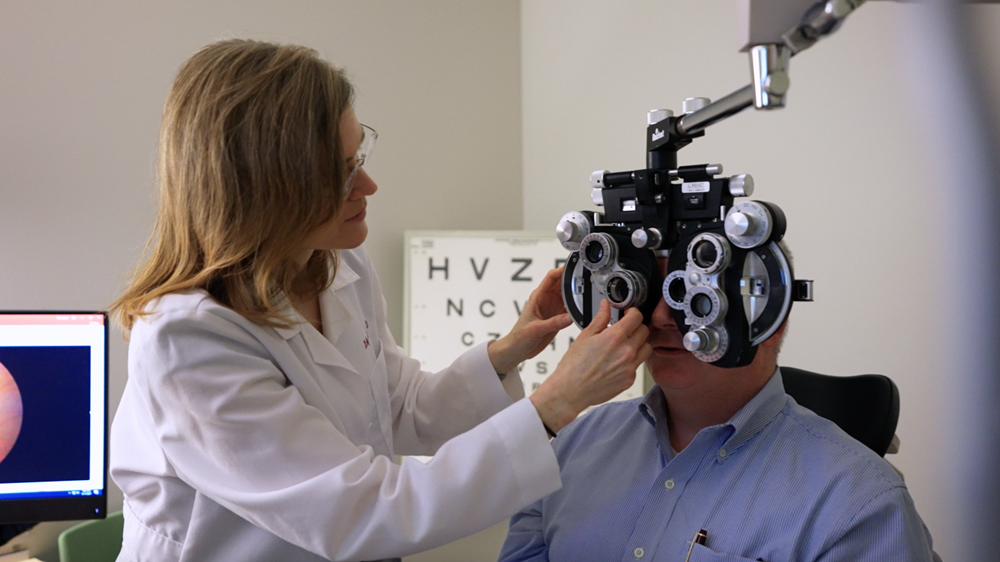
[[639, 553], [722, 453], [669, 484]]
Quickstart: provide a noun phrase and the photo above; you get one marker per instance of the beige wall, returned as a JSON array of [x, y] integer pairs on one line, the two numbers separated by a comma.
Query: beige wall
[[82, 85], [847, 160]]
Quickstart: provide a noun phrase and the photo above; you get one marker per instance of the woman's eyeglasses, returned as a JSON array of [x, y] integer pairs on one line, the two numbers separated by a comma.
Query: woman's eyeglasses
[[364, 151]]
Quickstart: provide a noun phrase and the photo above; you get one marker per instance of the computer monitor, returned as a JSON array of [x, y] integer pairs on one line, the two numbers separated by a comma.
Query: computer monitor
[[53, 416]]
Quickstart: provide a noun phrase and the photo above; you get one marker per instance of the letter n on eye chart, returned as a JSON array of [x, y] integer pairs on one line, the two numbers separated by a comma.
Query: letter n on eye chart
[[467, 287]]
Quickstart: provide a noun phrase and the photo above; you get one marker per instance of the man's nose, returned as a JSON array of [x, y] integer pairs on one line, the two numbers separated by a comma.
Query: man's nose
[[662, 316]]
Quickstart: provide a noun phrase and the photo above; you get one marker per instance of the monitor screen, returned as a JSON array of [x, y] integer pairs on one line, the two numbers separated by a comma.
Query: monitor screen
[[53, 416]]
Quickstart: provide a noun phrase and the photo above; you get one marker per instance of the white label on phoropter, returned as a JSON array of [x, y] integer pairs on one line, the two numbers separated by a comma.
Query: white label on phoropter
[[695, 187]]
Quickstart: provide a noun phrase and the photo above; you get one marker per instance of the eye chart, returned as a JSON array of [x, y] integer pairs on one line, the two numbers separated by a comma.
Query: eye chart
[[467, 287]]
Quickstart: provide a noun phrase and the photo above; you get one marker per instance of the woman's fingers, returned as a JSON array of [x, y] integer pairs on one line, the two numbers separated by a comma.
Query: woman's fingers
[[556, 323], [600, 364], [626, 326], [542, 317], [551, 279], [599, 322], [546, 300], [548, 286], [630, 322]]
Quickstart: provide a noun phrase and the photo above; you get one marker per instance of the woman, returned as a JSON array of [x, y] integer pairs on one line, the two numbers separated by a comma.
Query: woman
[[266, 396]]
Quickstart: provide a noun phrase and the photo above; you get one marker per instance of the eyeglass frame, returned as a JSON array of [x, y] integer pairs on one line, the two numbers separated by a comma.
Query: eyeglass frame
[[365, 150]]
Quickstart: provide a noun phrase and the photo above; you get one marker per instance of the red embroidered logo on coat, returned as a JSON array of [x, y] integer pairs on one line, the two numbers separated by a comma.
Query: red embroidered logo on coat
[[367, 343]]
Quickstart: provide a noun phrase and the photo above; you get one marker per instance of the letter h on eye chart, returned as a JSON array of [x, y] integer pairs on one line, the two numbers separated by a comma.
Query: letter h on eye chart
[[464, 288]]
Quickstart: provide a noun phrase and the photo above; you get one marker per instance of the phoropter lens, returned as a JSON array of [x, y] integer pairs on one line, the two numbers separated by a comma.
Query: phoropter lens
[[595, 252], [705, 254], [676, 289], [701, 305], [618, 290]]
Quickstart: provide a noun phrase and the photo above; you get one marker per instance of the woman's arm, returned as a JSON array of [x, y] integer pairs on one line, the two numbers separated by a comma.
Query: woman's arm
[[234, 429]]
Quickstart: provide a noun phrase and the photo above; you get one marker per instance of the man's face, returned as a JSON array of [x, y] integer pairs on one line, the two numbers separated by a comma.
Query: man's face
[[671, 365]]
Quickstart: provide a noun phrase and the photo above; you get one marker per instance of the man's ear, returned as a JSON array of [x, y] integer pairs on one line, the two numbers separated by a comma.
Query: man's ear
[[777, 337]]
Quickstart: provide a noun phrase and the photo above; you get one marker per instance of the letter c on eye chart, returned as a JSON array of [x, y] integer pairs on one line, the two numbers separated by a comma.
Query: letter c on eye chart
[[11, 412]]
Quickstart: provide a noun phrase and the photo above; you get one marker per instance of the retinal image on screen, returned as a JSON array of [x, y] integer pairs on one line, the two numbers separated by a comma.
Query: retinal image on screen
[[53, 379]]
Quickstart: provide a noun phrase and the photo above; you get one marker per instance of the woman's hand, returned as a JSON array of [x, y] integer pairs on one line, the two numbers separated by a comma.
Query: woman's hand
[[541, 319], [599, 365]]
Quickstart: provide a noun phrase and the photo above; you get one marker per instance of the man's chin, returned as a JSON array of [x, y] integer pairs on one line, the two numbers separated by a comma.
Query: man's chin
[[671, 353], [667, 360]]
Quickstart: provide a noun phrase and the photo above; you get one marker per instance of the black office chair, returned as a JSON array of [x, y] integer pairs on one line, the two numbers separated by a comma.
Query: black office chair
[[866, 407]]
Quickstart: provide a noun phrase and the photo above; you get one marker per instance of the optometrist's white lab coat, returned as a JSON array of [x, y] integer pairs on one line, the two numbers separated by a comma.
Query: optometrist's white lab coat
[[236, 442]]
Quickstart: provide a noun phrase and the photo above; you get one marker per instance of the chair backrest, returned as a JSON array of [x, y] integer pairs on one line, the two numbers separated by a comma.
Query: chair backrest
[[866, 407], [99, 540]]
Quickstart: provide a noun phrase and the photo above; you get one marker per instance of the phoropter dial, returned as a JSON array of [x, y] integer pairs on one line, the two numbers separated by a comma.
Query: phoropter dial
[[572, 229], [750, 224], [704, 340], [625, 288], [598, 250], [675, 289], [707, 343], [709, 253], [705, 305]]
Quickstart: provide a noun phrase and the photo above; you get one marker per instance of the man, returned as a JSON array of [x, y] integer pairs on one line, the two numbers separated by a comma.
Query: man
[[716, 464]]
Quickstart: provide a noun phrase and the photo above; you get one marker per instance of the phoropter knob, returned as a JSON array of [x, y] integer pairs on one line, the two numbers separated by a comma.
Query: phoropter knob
[[738, 224], [647, 238], [656, 115], [703, 340], [691, 105], [749, 224], [597, 179], [741, 185], [572, 228]]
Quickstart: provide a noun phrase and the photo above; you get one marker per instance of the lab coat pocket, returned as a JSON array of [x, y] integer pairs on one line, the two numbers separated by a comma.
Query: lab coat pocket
[[702, 553], [379, 384]]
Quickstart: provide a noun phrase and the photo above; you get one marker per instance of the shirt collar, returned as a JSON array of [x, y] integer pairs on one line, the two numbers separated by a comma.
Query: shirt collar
[[747, 422], [653, 407], [758, 412]]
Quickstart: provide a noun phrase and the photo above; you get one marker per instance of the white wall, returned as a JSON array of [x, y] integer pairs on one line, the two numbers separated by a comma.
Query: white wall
[[845, 160], [82, 85]]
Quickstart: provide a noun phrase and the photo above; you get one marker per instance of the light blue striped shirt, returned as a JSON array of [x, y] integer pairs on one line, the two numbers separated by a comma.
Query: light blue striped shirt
[[776, 483]]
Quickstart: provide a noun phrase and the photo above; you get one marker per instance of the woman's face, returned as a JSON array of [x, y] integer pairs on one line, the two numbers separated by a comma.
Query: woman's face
[[346, 229]]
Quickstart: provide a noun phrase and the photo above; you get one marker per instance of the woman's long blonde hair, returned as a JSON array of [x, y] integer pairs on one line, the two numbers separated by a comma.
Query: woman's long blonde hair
[[250, 161]]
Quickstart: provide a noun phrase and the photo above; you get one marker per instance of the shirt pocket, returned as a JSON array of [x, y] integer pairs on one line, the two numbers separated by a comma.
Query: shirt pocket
[[702, 553]]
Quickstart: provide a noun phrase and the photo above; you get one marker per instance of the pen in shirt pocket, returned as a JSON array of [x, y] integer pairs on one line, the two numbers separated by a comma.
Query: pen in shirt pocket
[[699, 538]]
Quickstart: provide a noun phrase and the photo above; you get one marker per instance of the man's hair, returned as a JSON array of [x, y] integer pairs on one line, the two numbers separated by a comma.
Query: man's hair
[[250, 162]]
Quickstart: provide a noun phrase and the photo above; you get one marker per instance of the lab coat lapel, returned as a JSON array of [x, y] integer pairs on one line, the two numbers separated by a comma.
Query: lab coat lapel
[[336, 318], [321, 351], [344, 324]]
